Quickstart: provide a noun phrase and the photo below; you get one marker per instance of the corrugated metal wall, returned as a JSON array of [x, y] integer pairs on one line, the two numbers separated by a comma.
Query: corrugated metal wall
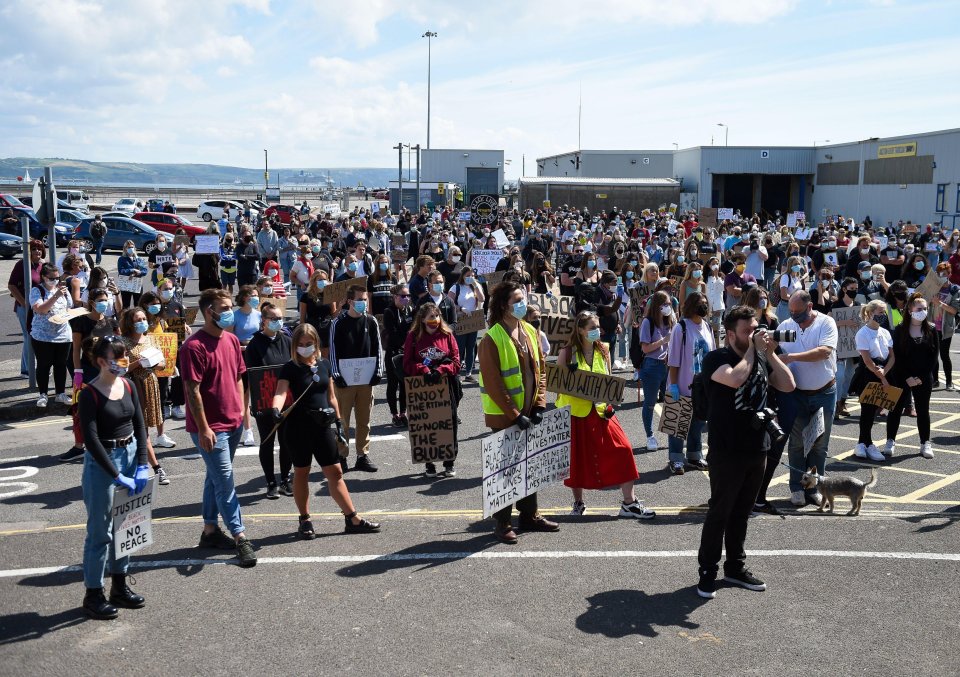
[[626, 198], [641, 164]]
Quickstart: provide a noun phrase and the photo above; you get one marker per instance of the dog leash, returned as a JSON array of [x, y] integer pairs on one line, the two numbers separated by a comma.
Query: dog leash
[[803, 472]]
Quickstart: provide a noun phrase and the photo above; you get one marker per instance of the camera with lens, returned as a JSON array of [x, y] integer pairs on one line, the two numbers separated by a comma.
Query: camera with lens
[[784, 335], [766, 420]]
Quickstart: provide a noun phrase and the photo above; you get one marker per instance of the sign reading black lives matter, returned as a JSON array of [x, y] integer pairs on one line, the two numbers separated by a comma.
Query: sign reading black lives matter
[[517, 463], [430, 415], [483, 209], [132, 526]]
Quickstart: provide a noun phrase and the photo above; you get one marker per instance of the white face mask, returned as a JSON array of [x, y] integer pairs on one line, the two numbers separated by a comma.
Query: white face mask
[[455, 259], [919, 315], [666, 310], [306, 351]]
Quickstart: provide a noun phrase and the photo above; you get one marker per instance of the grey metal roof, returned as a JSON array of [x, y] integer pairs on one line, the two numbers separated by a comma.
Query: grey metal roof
[[596, 181]]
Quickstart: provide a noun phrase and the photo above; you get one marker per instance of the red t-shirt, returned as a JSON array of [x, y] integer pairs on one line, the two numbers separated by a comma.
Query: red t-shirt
[[216, 364]]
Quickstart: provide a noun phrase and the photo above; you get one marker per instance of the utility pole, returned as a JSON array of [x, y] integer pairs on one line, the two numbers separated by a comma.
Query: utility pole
[[49, 214], [428, 35], [417, 147], [266, 175], [399, 149], [27, 282]]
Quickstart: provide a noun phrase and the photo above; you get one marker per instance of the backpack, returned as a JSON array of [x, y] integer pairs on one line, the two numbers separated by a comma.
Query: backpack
[[98, 230], [698, 389]]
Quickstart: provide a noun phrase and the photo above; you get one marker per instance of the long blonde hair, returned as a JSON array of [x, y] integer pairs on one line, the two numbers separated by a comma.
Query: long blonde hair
[[312, 291], [576, 343]]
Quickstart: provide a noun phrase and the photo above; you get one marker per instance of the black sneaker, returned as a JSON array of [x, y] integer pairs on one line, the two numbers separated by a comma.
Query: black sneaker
[[765, 508], [430, 470], [365, 464], [707, 587], [286, 489], [72, 455], [697, 464], [747, 580], [273, 493], [245, 553], [217, 540]]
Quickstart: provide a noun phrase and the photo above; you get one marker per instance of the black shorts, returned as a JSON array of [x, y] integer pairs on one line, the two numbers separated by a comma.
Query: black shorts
[[308, 441]]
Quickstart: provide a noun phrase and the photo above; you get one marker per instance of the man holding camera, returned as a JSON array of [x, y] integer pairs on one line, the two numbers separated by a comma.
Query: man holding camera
[[740, 427], [812, 359]]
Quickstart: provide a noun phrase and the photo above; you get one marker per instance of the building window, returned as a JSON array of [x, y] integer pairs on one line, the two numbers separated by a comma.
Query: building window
[[941, 197]]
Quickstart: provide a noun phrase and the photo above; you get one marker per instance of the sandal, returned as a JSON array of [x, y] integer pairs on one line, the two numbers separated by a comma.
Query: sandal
[[364, 527], [305, 531]]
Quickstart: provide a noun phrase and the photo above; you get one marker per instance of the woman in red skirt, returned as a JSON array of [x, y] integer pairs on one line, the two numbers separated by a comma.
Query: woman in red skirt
[[601, 456]]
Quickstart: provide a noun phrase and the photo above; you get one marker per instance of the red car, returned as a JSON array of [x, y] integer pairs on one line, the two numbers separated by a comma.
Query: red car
[[283, 211], [168, 223]]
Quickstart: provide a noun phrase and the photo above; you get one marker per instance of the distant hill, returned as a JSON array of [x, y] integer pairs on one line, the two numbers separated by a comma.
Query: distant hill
[[189, 174]]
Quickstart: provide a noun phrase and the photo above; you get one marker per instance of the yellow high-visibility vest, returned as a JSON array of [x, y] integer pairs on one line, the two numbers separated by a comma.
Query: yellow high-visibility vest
[[509, 367], [580, 407]]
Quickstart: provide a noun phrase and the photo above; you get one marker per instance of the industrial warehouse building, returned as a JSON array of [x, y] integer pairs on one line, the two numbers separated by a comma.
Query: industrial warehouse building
[[598, 195], [915, 177], [467, 170]]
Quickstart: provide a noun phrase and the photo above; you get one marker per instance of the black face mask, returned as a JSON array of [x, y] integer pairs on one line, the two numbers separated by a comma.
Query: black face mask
[[851, 293], [703, 309], [535, 324]]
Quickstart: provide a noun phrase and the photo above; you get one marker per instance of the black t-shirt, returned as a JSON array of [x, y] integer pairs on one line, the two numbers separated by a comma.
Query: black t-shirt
[[86, 326], [731, 414], [301, 377]]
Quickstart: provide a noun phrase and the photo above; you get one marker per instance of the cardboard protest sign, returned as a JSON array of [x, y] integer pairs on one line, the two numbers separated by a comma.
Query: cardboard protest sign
[[848, 324], [181, 240], [708, 217], [132, 524], [63, 318], [585, 384], [517, 463], [485, 260], [357, 371], [552, 304], [493, 279], [930, 286], [500, 238], [129, 283], [337, 291], [884, 397], [558, 329], [676, 417], [792, 220], [815, 428], [467, 323], [431, 417], [262, 382], [725, 213], [166, 342], [207, 244], [398, 249]]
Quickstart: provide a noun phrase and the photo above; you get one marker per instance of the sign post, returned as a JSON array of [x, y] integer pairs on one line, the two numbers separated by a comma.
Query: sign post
[[27, 281]]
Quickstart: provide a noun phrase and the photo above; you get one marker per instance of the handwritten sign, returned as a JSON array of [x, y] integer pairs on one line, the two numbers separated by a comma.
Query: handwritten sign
[[930, 287], [357, 371], [884, 397], [517, 463], [207, 244], [848, 324], [553, 304], [262, 382], [167, 343], [71, 314], [398, 248], [468, 323], [708, 217], [725, 214], [676, 417], [183, 240], [493, 279], [485, 260], [132, 524], [585, 384], [129, 283], [558, 329], [337, 291], [431, 421]]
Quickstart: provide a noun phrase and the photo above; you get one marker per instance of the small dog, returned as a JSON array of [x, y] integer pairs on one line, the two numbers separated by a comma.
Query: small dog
[[830, 487]]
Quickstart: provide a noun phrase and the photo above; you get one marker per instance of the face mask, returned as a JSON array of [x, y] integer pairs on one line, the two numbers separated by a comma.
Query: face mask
[[693, 253], [714, 268], [831, 245], [50, 283], [865, 252], [267, 291], [166, 294], [740, 268], [315, 250], [697, 274], [666, 310], [919, 315], [432, 324], [591, 264], [274, 325], [455, 259], [919, 265], [253, 302], [763, 303], [161, 245], [593, 335], [866, 275], [352, 267], [469, 281], [360, 307], [519, 309], [437, 287], [154, 309], [878, 318], [800, 318], [703, 309], [404, 301], [321, 284], [118, 368], [141, 327], [795, 269], [130, 252], [383, 267], [225, 320], [100, 307], [851, 293], [306, 351], [681, 259], [629, 274]]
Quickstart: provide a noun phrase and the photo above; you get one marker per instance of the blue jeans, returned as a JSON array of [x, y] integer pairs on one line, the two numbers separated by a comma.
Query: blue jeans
[[806, 408], [98, 488], [622, 345], [694, 442], [22, 316], [652, 373], [98, 247], [467, 347], [219, 494], [845, 369]]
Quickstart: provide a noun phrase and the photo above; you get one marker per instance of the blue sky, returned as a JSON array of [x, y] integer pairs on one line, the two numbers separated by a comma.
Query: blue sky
[[336, 84]]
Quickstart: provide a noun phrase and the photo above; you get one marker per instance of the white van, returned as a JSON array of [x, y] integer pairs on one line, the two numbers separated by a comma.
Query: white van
[[77, 199]]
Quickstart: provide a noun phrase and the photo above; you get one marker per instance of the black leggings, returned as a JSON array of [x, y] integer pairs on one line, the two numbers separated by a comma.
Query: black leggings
[[394, 385], [129, 299], [171, 391], [945, 356], [51, 355], [264, 426], [921, 401]]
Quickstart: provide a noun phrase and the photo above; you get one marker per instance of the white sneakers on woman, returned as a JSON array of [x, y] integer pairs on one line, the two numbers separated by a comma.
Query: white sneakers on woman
[[926, 450]]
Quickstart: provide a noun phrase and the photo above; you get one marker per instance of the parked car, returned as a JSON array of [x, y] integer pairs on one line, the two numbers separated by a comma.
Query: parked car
[[168, 223], [119, 230], [39, 231], [212, 210], [71, 217], [76, 199], [381, 194], [126, 204], [8, 200], [10, 246], [285, 212]]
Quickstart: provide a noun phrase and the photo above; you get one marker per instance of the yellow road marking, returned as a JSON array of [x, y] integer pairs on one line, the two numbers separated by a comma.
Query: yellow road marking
[[932, 487]]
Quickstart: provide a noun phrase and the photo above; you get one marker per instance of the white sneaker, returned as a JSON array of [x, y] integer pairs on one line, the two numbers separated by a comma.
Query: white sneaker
[[889, 448], [636, 510], [652, 444], [164, 441], [617, 364], [179, 413], [636, 374], [42, 402], [578, 509], [816, 497], [247, 439], [798, 498], [874, 454], [860, 451], [63, 398], [926, 450]]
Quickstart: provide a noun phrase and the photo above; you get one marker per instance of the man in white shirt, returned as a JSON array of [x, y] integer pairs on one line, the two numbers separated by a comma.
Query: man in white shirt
[[756, 256], [812, 359]]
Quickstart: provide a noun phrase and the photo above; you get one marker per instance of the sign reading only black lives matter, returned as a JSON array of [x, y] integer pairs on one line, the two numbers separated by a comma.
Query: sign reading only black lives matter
[[430, 415], [517, 463]]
